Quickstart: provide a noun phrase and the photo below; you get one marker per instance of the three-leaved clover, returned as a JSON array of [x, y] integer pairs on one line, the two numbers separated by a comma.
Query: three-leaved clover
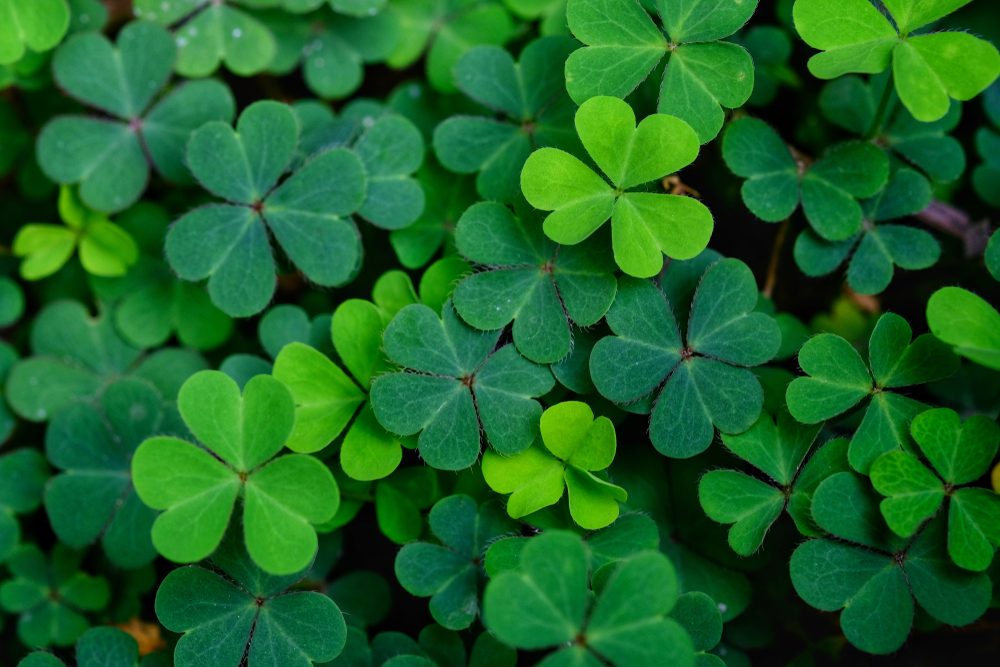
[[456, 384], [308, 213], [837, 379], [929, 70], [644, 225], [525, 278], [110, 156], [283, 497], [777, 180], [576, 447], [546, 602], [623, 45], [701, 381], [530, 98], [451, 573], [959, 454]]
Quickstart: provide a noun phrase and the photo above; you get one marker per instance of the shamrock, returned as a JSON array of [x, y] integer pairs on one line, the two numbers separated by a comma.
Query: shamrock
[[837, 379], [877, 248], [530, 99], [959, 453], [283, 497], [777, 181], [24, 472], [700, 382], [986, 176], [576, 446], [783, 450], [546, 602], [451, 573], [525, 278], [854, 36], [50, 595], [38, 26], [247, 613], [111, 157], [622, 46], [644, 225], [967, 323], [228, 243], [874, 577]]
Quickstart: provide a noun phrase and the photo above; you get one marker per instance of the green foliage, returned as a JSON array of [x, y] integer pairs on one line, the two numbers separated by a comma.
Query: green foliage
[[968, 323], [25, 471], [38, 26]]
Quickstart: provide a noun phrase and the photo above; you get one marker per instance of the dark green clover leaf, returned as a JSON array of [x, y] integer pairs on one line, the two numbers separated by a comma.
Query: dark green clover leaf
[[110, 157], [874, 577], [966, 322], [391, 149], [878, 248], [576, 447], [546, 602], [8, 422], [50, 595], [36, 26], [837, 379], [699, 615], [782, 449], [307, 213], [244, 613], [777, 180], [929, 69], [644, 225], [451, 573], [623, 45], [992, 255], [771, 49], [525, 278], [530, 99], [959, 453], [700, 382], [400, 500], [24, 473], [456, 383], [98, 647], [986, 176], [284, 497]]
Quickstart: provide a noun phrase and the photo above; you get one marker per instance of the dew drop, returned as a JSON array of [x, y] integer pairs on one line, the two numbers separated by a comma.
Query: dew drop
[[368, 121], [723, 607], [237, 33], [181, 42]]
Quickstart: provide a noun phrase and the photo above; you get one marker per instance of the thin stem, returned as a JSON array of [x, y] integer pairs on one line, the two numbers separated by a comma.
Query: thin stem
[[772, 265], [883, 104]]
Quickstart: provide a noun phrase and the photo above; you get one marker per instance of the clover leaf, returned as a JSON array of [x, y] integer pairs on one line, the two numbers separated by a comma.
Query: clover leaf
[[878, 248], [929, 69], [771, 48], [111, 157], [284, 497], [966, 322], [837, 379], [451, 573], [699, 382], [456, 383], [622, 45], [783, 450], [247, 613], [525, 278], [38, 26], [50, 595], [530, 109], [546, 602], [228, 243], [986, 176], [576, 447], [24, 473], [958, 453], [644, 225], [777, 181]]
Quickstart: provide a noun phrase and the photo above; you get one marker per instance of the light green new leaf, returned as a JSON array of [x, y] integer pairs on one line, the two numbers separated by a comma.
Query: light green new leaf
[[966, 322], [38, 26]]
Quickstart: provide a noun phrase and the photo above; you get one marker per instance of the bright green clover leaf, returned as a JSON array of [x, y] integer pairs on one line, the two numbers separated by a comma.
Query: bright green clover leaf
[[777, 180], [546, 602], [228, 243], [929, 69], [878, 248], [778, 448], [210, 33], [525, 278], [700, 382], [837, 379], [530, 99], [246, 613], [456, 383], [771, 49], [875, 579], [576, 447], [283, 497], [644, 225], [451, 573], [986, 176], [38, 26], [622, 46], [24, 473], [111, 157], [968, 323], [49, 595], [959, 453]]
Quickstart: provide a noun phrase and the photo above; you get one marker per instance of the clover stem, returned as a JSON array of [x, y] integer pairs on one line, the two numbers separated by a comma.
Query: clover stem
[[772, 266], [883, 104]]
